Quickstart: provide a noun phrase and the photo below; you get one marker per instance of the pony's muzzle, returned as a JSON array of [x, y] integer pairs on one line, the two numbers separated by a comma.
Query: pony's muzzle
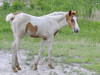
[[76, 30]]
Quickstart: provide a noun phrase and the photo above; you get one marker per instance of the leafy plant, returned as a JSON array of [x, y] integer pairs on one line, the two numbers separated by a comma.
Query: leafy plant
[[6, 5], [17, 5]]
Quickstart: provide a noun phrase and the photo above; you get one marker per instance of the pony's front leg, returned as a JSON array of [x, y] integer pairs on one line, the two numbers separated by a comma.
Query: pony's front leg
[[43, 41], [50, 42]]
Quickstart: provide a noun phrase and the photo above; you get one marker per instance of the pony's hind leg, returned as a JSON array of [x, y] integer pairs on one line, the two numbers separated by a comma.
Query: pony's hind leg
[[15, 63]]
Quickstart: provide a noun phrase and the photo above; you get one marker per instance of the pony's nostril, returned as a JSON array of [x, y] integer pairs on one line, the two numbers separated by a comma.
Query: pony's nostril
[[76, 31]]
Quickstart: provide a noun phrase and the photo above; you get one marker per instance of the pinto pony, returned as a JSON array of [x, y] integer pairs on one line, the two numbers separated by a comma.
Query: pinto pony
[[44, 27]]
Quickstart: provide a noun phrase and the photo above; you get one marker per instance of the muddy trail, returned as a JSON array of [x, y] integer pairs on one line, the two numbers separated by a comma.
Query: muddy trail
[[43, 69]]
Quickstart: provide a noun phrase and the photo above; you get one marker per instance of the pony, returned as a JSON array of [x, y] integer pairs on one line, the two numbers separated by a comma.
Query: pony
[[44, 27]]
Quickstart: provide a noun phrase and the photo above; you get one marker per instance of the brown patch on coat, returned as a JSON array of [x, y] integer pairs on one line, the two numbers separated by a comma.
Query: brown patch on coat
[[34, 36], [69, 18], [45, 38], [12, 19], [16, 13], [56, 32], [32, 29]]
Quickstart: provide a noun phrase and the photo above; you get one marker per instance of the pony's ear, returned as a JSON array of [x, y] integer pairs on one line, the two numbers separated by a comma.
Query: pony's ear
[[70, 12], [76, 11]]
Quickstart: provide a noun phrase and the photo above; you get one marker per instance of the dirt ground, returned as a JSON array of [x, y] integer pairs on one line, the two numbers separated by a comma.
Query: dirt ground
[[43, 69]]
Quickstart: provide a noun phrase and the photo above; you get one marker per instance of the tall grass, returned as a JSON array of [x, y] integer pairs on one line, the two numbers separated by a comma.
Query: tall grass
[[41, 7], [84, 7]]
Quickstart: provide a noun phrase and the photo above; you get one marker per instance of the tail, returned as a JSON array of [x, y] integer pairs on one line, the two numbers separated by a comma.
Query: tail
[[9, 17]]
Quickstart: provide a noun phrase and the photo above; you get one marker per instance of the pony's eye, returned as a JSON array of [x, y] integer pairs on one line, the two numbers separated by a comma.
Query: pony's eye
[[72, 20]]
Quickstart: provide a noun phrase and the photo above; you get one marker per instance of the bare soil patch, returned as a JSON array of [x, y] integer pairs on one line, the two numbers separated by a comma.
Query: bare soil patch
[[43, 69]]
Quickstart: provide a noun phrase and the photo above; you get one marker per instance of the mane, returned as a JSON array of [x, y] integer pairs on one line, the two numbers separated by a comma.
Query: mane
[[56, 13]]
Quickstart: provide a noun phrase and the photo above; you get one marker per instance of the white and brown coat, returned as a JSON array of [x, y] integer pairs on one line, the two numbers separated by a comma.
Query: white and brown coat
[[44, 27]]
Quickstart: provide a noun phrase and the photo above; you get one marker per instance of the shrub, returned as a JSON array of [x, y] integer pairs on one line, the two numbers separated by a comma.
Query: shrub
[[32, 5], [6, 5], [17, 5], [44, 6]]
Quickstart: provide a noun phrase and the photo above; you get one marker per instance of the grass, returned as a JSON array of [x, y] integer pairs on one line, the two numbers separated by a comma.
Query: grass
[[80, 48]]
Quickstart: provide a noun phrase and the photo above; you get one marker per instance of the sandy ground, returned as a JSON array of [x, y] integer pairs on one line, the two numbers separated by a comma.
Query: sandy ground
[[43, 69]]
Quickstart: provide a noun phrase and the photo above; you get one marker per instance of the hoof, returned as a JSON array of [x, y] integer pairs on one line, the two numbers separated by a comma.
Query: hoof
[[50, 65], [15, 70], [35, 67], [18, 68]]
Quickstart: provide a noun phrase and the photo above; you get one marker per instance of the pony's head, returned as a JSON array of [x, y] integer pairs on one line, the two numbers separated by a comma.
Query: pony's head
[[72, 21]]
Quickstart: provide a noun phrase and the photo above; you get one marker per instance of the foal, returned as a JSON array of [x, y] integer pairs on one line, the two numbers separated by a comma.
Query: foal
[[44, 27]]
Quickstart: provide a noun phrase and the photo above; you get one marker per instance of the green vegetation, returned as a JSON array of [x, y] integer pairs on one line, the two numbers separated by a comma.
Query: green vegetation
[[75, 48]]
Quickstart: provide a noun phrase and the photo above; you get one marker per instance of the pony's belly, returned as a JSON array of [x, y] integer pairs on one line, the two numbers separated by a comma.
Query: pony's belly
[[36, 35]]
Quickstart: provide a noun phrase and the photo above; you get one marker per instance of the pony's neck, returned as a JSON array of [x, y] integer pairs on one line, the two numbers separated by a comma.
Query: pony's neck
[[62, 23], [60, 18]]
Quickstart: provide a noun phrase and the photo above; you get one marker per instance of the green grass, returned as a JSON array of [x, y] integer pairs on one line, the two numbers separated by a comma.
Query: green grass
[[80, 48]]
